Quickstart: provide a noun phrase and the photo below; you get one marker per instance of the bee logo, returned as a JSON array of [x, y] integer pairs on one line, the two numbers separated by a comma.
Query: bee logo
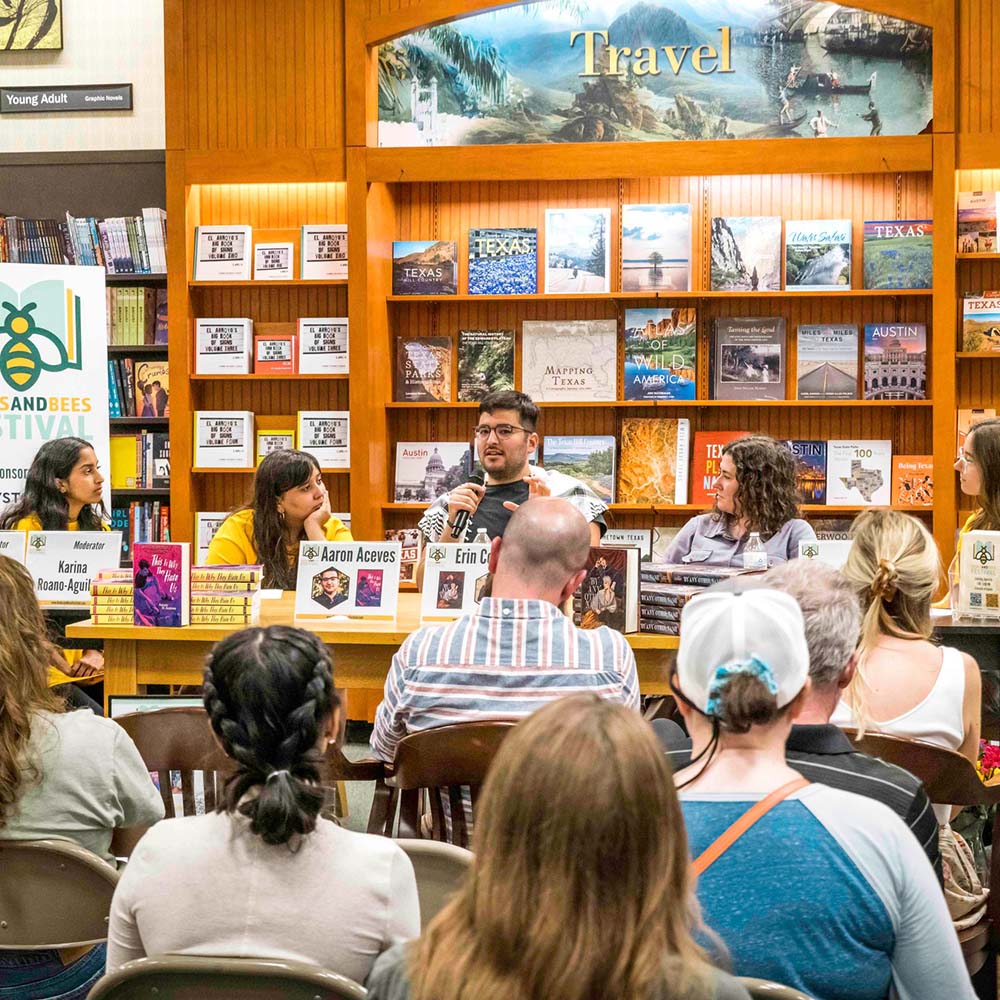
[[30, 349]]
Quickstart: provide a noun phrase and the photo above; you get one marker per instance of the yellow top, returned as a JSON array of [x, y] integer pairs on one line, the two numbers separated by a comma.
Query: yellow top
[[233, 544], [965, 528], [33, 523]]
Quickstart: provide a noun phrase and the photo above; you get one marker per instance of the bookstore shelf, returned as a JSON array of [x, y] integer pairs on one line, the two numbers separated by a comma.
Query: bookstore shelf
[[977, 256], [139, 421], [155, 278], [283, 283], [668, 297], [139, 491], [673, 404], [223, 471], [269, 377], [688, 508], [145, 349], [987, 355]]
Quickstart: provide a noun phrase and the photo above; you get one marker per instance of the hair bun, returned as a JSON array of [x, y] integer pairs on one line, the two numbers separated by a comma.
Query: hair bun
[[884, 583]]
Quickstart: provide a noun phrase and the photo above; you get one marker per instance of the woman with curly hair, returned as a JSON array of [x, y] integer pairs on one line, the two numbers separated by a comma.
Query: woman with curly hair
[[755, 490]]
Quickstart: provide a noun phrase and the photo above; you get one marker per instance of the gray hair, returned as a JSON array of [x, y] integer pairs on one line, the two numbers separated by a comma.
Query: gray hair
[[831, 611]]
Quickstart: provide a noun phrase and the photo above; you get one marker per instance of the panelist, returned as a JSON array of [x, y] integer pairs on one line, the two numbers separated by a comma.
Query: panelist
[[755, 490], [290, 504], [978, 467]]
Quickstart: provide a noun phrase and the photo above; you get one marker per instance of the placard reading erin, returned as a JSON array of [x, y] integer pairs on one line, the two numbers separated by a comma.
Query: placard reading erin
[[350, 578], [326, 435], [62, 563], [979, 574], [455, 578]]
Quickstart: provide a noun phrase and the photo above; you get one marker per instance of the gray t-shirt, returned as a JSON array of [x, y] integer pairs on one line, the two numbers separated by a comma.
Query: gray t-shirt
[[706, 539]]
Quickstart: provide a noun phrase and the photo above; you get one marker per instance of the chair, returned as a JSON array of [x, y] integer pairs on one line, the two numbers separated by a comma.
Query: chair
[[438, 762], [763, 989], [189, 977], [53, 894], [440, 869]]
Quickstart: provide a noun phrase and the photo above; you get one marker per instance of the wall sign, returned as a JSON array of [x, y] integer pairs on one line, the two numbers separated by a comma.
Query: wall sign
[[75, 97]]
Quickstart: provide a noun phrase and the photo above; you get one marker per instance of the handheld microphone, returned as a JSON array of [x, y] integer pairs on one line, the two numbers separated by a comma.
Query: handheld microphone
[[462, 517]]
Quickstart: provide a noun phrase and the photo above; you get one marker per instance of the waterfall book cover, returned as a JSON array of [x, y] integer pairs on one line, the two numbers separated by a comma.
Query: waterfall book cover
[[818, 255]]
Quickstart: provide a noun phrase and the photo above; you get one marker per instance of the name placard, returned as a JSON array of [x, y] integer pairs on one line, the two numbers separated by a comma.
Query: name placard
[[455, 576], [348, 578], [63, 563], [832, 551], [76, 97], [12, 544], [979, 575]]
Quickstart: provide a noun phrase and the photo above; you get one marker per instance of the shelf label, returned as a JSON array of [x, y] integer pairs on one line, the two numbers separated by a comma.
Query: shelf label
[[75, 97]]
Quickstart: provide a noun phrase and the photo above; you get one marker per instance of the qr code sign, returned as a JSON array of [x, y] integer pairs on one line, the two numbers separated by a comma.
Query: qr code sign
[[993, 600], [976, 600]]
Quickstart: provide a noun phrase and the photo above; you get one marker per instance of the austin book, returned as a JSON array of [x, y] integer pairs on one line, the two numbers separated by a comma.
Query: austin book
[[503, 261], [912, 481], [591, 459], [653, 463], [456, 577], [746, 253], [895, 361], [162, 583], [981, 323], [899, 253], [326, 435], [747, 359], [222, 253], [423, 370], [485, 363], [656, 248], [223, 439], [661, 354], [323, 346], [424, 267], [571, 361], [818, 255], [426, 469], [577, 250], [348, 578], [609, 594], [810, 471], [977, 221], [323, 253], [827, 365], [223, 346], [858, 472], [706, 456]]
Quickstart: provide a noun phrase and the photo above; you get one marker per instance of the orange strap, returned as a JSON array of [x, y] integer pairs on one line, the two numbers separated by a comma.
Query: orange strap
[[728, 837]]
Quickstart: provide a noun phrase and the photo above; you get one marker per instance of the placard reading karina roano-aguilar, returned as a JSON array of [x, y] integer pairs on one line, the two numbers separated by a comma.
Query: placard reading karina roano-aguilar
[[63, 563]]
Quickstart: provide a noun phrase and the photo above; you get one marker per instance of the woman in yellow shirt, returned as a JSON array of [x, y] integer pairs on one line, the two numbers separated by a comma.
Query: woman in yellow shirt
[[290, 504], [978, 468]]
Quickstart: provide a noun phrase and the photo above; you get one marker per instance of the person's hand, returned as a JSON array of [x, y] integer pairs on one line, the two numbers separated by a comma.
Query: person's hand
[[89, 665], [537, 487], [466, 497], [316, 521]]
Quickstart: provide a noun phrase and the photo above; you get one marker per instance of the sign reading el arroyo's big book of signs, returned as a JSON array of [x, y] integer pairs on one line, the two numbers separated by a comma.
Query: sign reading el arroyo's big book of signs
[[348, 578]]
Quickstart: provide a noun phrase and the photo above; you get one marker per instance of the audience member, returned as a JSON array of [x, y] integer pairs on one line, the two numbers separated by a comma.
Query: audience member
[[265, 875], [827, 891], [580, 887]]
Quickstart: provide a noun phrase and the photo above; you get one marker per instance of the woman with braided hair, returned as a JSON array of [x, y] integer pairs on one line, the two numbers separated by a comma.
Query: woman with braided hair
[[265, 875]]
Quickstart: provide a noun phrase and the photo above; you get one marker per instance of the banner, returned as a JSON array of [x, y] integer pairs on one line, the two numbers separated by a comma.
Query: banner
[[53, 366]]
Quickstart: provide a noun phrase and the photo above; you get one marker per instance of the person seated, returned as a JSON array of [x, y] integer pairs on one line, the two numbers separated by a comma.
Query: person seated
[[290, 504], [756, 490], [816, 748], [827, 892], [580, 886], [63, 775], [265, 876]]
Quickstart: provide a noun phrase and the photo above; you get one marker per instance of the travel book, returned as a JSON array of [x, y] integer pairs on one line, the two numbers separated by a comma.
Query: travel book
[[747, 359], [456, 576], [323, 346], [656, 248], [162, 583], [411, 540], [274, 353], [609, 594], [899, 253], [967, 419], [360, 579], [222, 253], [426, 469], [661, 354], [858, 472], [977, 221], [653, 463], [746, 253], [895, 361], [912, 481], [706, 454], [503, 261], [223, 439], [323, 253], [981, 323], [818, 255], [591, 459], [485, 363], [223, 346], [206, 524], [326, 435], [273, 262], [810, 459], [152, 388], [577, 250], [424, 267], [570, 360], [827, 361], [423, 370]]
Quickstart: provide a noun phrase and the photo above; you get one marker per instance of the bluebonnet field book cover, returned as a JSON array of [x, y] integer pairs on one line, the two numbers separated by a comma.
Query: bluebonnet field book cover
[[503, 261], [899, 253]]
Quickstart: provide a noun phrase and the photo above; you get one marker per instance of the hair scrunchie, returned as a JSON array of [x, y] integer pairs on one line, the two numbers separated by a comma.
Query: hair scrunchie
[[753, 665], [884, 584]]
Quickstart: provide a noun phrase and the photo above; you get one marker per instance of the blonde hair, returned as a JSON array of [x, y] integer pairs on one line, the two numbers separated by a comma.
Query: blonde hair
[[580, 886], [894, 567]]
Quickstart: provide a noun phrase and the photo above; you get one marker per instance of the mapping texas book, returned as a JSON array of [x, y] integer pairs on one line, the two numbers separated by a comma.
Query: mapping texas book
[[858, 472], [656, 248], [485, 363], [899, 253], [423, 370], [895, 361], [591, 459], [912, 481], [426, 469], [570, 360], [661, 354], [818, 255], [577, 250], [981, 323], [706, 454], [653, 462], [503, 261], [746, 253], [827, 361], [424, 267], [810, 473], [747, 359]]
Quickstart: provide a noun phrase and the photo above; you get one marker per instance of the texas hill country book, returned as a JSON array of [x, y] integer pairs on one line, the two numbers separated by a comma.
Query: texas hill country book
[[817, 255], [827, 364], [503, 261], [656, 248], [591, 459], [895, 361], [653, 462], [423, 370], [424, 267], [661, 353], [485, 363], [747, 359], [810, 472], [899, 253], [746, 253], [981, 323]]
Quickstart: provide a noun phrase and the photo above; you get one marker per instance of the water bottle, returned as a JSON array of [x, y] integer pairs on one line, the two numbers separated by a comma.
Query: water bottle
[[754, 553], [481, 537]]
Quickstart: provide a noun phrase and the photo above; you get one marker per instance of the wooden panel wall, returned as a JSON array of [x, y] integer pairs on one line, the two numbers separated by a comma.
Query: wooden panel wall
[[978, 66]]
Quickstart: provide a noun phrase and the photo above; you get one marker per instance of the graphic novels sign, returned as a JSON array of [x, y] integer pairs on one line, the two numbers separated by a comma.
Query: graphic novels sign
[[655, 70]]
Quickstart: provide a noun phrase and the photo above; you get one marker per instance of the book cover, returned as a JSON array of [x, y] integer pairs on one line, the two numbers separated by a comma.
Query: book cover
[[980, 323], [222, 253], [827, 361], [485, 363], [223, 439], [160, 320], [423, 370], [746, 253], [323, 253], [637, 538], [223, 346], [591, 459], [661, 354], [160, 472], [455, 578], [966, 420], [326, 435], [569, 360], [685, 575], [124, 468], [899, 253], [274, 353], [412, 542], [817, 255], [912, 481], [244, 574], [273, 262], [426, 469], [895, 361], [503, 261], [424, 267], [810, 474], [977, 221], [656, 248], [663, 537], [653, 463], [858, 472], [577, 250], [274, 440], [609, 594], [748, 358], [152, 388], [161, 578], [206, 524], [323, 346], [706, 454]]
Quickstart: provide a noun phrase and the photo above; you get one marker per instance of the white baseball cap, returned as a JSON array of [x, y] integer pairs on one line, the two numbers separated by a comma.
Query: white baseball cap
[[759, 631]]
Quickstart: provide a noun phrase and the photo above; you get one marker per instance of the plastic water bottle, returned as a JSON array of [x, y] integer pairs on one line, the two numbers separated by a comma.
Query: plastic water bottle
[[481, 538], [754, 553]]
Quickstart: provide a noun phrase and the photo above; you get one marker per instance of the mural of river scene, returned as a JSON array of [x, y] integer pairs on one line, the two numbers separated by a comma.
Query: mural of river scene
[[744, 69]]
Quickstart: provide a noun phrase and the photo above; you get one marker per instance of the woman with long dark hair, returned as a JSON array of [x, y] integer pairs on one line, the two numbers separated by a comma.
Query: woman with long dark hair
[[978, 467], [290, 504]]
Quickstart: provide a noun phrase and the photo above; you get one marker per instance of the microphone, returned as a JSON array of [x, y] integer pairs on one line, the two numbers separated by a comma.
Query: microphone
[[462, 517]]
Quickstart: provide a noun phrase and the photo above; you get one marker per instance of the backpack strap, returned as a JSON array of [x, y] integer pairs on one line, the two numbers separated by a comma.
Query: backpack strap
[[729, 836]]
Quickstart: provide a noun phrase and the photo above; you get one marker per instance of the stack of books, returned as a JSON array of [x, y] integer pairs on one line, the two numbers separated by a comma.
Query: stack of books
[[225, 595], [111, 597], [664, 589]]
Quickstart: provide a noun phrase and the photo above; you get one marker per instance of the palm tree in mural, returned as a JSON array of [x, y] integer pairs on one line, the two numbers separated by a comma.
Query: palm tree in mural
[[24, 24]]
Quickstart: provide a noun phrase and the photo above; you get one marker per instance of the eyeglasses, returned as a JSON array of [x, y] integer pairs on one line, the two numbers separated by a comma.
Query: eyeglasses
[[503, 431], [965, 459]]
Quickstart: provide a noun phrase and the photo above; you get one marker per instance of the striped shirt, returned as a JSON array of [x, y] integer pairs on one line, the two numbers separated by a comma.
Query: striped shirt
[[499, 663]]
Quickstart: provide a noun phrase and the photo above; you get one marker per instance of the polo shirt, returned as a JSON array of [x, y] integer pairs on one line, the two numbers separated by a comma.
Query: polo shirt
[[707, 539]]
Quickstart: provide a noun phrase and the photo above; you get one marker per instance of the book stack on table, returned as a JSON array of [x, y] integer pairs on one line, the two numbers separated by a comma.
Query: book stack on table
[[664, 589], [225, 595], [111, 597]]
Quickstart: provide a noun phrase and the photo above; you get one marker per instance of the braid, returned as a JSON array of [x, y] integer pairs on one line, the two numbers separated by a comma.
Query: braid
[[232, 734], [304, 721]]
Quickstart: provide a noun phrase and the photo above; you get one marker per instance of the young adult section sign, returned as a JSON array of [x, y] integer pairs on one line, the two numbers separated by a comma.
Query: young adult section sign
[[53, 366]]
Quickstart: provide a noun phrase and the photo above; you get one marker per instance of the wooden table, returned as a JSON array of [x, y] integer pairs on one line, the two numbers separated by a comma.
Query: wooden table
[[361, 650]]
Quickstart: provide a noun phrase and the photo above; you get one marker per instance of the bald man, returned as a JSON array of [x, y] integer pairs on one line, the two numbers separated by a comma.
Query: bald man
[[517, 651]]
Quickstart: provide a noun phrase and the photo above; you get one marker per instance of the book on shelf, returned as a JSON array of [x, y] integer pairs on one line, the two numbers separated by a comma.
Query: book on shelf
[[141, 521], [912, 481], [570, 360], [274, 353], [665, 600], [423, 370], [834, 529], [223, 346], [706, 458], [412, 541], [653, 462], [858, 472], [503, 261], [273, 262], [577, 250], [747, 358], [140, 460], [687, 574], [817, 255], [134, 316], [161, 574], [895, 361], [326, 435], [827, 361], [424, 267], [245, 575], [981, 323], [124, 469], [746, 253], [660, 360], [274, 440], [223, 439], [456, 577], [899, 253], [656, 248], [609, 593], [323, 253], [810, 469], [663, 537], [967, 419], [323, 346], [222, 253], [485, 363], [426, 469], [206, 524], [356, 578], [977, 221], [152, 388], [589, 458], [638, 538]]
